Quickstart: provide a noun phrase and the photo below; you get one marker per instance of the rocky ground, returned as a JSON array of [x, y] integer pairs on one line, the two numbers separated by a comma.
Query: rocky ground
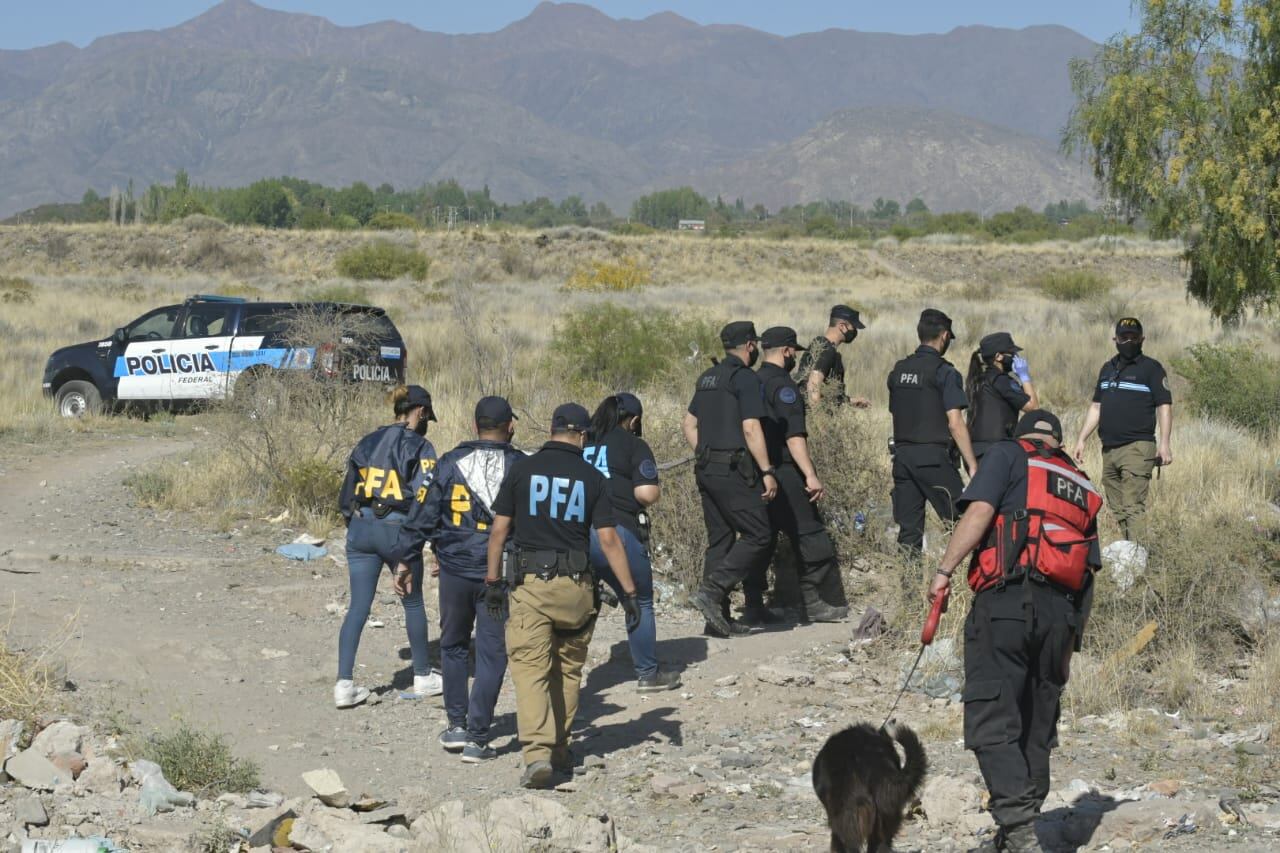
[[168, 620]]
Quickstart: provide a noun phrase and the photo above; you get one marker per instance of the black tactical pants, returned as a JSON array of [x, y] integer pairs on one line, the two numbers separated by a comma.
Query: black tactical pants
[[922, 473], [739, 537], [1017, 654], [794, 515]]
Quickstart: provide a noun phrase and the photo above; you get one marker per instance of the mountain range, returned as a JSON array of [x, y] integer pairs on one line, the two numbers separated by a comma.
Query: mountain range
[[565, 101]]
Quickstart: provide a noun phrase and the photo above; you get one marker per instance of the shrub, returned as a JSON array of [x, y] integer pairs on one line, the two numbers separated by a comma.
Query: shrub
[[209, 254], [1235, 383], [392, 221], [27, 683], [200, 762], [610, 347], [15, 290], [151, 486], [632, 229], [308, 483], [607, 277], [57, 247], [201, 222], [146, 254], [1072, 285], [384, 261]]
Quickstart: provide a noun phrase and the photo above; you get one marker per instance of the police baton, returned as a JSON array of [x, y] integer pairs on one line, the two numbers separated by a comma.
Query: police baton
[[926, 639]]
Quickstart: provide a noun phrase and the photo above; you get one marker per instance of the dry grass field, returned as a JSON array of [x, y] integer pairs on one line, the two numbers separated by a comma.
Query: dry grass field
[[487, 316]]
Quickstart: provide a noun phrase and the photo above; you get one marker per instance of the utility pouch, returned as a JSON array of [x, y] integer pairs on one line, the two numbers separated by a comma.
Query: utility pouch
[[542, 563], [703, 457], [644, 531], [577, 562], [509, 573], [380, 510]]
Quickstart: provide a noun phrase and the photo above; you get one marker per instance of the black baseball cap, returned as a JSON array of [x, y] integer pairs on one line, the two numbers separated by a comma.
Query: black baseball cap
[[844, 312], [629, 404], [934, 317], [494, 411], [1128, 326], [570, 417], [737, 333], [779, 336], [996, 343], [419, 396], [1039, 420]]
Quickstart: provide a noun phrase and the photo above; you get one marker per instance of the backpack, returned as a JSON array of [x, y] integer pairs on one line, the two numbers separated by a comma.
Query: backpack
[[1052, 538]]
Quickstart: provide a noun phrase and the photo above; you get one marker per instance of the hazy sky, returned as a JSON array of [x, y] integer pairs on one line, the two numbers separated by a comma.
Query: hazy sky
[[24, 23]]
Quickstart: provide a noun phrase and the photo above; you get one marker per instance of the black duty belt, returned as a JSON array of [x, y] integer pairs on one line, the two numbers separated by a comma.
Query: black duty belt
[[380, 510], [547, 563]]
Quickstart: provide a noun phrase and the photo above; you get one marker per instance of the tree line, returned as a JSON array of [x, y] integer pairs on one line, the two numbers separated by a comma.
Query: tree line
[[296, 203]]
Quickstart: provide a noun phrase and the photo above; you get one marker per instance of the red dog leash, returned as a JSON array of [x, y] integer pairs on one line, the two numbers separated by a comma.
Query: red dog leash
[[926, 638]]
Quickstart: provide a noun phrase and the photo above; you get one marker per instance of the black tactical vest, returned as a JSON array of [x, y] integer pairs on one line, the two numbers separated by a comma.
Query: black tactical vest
[[915, 400], [993, 418], [719, 415]]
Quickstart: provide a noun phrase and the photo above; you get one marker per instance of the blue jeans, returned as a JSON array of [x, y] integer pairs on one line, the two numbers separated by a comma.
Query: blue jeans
[[461, 606], [371, 544], [644, 639]]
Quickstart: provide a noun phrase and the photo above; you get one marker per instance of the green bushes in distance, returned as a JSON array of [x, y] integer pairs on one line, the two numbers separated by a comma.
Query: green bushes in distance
[[352, 294], [1072, 285], [392, 221], [384, 261], [1235, 383], [610, 347]]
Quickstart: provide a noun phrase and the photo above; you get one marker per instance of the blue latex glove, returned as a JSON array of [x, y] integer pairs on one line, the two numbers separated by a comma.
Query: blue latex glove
[[1021, 370]]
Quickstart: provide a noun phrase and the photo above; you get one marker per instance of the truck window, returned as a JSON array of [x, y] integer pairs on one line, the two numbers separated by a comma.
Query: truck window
[[207, 321], [265, 319], [155, 326]]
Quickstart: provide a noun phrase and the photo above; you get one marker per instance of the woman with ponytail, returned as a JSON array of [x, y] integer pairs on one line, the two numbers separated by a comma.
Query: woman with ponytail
[[615, 448], [385, 489], [996, 398]]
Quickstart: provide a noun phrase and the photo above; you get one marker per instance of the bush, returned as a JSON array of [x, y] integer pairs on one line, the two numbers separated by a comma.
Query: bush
[[16, 290], [201, 222], [146, 254], [384, 261], [1237, 383], [27, 683], [151, 487], [632, 229], [57, 247], [209, 254], [608, 347], [352, 294], [200, 762], [606, 277], [312, 484], [1072, 285], [392, 221]]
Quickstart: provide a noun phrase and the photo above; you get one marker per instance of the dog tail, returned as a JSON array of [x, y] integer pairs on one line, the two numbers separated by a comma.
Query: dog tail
[[917, 764]]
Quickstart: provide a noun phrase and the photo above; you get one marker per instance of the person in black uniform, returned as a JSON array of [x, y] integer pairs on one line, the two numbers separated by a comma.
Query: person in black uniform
[[1023, 626], [1131, 400], [387, 478], [996, 398], [795, 510], [821, 370], [549, 503], [927, 401], [615, 448], [457, 519], [733, 473]]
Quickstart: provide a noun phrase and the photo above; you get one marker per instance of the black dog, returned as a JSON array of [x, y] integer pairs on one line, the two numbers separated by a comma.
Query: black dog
[[864, 787]]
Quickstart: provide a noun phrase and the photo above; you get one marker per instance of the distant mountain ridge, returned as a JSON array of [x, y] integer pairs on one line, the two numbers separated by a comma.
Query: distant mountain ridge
[[565, 101]]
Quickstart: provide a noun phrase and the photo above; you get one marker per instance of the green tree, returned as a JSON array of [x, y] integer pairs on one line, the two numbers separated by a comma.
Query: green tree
[[1181, 123], [916, 207], [883, 209], [356, 201], [267, 203], [665, 208]]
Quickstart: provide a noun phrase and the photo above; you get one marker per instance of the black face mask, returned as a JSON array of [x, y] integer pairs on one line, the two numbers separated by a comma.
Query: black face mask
[[1005, 362], [753, 357], [421, 428], [789, 363], [946, 345], [850, 335], [1129, 350]]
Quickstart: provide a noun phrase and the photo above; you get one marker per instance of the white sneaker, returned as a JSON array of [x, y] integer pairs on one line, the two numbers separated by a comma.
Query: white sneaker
[[428, 685], [347, 695]]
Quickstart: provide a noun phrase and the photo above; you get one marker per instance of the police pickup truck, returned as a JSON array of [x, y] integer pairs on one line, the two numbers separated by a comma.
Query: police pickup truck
[[181, 355]]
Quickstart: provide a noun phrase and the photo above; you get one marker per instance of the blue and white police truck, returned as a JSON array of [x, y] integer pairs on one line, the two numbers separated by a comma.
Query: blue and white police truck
[[179, 356]]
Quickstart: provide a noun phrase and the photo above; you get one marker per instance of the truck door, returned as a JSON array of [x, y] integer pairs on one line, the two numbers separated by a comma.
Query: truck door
[[200, 353], [142, 365]]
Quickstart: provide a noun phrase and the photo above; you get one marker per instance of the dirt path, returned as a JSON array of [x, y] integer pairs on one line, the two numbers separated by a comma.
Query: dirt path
[[168, 620]]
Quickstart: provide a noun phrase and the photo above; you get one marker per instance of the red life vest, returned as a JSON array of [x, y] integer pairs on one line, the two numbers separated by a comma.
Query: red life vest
[[1052, 537]]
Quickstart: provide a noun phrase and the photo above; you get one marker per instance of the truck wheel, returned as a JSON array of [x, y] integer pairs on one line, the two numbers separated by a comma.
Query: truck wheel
[[78, 398]]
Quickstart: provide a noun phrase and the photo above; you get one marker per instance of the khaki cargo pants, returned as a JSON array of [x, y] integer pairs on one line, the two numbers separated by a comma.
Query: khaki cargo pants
[[548, 632], [1126, 477]]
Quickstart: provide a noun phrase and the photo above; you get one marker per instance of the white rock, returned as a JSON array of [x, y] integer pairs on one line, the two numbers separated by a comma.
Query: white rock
[[1126, 561], [948, 798], [783, 675], [327, 787], [60, 737], [101, 776], [32, 770]]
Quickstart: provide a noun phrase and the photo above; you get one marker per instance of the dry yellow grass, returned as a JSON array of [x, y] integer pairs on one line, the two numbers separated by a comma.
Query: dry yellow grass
[[484, 320]]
